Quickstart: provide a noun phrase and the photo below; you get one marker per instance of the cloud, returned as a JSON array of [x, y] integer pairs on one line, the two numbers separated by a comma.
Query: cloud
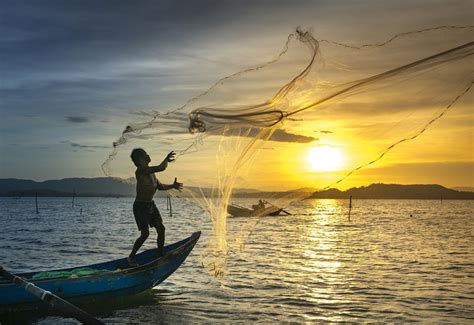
[[84, 146], [282, 136], [77, 119]]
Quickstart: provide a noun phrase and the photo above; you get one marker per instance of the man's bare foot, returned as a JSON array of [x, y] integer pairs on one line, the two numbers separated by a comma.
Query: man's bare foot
[[132, 261]]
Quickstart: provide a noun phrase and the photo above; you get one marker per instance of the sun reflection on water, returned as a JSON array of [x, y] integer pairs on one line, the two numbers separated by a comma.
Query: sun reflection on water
[[325, 256]]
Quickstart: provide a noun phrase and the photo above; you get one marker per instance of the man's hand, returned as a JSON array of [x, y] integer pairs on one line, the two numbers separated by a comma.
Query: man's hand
[[171, 156], [177, 185]]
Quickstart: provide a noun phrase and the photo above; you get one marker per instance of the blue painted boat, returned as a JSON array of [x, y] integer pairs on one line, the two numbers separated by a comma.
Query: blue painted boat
[[113, 279]]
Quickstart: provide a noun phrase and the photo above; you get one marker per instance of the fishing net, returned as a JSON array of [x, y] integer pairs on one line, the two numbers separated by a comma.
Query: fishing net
[[254, 129], [76, 273]]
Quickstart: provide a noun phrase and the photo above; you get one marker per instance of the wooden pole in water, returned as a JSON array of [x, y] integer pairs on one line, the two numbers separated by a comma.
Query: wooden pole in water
[[171, 208], [350, 207], [73, 196], [36, 202], [51, 299]]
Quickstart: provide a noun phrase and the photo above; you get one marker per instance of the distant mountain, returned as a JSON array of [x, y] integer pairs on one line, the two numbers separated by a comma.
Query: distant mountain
[[108, 186], [395, 191], [52, 193], [303, 192], [100, 186], [464, 189]]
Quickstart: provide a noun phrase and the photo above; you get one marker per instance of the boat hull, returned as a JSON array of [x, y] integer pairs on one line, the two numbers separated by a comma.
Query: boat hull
[[116, 280], [236, 211]]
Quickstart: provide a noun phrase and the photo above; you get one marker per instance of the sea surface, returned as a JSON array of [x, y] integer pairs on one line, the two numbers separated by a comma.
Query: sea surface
[[393, 261]]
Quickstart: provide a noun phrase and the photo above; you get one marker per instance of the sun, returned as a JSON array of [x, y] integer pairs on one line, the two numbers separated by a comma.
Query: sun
[[325, 158]]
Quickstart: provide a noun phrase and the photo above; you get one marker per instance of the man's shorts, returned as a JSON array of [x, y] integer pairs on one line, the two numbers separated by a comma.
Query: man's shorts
[[146, 214]]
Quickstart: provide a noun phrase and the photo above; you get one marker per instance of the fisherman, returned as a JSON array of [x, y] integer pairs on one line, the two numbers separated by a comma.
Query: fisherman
[[259, 206], [144, 208]]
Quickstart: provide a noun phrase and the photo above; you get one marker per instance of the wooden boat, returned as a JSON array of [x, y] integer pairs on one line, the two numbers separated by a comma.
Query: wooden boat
[[239, 211], [113, 279]]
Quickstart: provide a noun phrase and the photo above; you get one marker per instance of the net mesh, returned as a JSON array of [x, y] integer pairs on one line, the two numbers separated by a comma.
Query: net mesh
[[248, 130]]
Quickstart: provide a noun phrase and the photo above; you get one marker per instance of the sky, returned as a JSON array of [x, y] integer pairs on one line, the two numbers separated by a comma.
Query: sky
[[75, 73]]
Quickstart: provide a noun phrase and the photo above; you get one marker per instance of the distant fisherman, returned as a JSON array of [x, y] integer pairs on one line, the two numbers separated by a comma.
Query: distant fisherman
[[144, 208]]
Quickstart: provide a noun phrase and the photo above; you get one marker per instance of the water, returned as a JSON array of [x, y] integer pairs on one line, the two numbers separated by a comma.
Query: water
[[313, 266]]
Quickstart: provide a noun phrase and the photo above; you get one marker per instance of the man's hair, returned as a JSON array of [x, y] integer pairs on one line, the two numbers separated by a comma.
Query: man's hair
[[136, 154]]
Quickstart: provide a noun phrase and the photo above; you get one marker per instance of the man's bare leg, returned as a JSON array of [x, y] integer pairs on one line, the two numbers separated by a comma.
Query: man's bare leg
[[138, 243], [160, 240]]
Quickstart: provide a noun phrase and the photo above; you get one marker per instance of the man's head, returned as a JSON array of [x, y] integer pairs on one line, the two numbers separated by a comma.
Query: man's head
[[140, 157]]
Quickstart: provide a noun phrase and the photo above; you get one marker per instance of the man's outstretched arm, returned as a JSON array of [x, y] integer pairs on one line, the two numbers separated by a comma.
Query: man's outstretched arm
[[161, 167], [176, 185]]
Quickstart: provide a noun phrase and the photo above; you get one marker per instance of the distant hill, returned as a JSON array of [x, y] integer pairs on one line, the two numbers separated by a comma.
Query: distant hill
[[303, 192], [100, 186], [464, 189], [395, 191], [108, 186]]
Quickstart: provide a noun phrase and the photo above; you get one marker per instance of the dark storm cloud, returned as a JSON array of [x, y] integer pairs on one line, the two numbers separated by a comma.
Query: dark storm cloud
[[77, 119]]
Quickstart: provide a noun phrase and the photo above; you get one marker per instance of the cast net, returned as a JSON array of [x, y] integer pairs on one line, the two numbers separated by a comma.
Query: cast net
[[349, 105]]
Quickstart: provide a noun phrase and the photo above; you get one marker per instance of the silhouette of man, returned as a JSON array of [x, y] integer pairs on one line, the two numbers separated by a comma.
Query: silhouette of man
[[144, 209]]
